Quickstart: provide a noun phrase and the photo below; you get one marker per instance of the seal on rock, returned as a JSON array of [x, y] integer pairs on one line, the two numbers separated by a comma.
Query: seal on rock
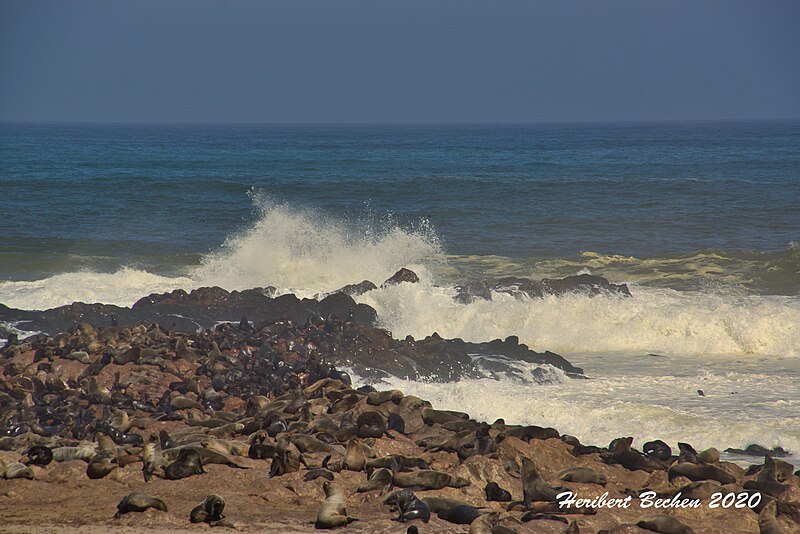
[[495, 493], [410, 507]]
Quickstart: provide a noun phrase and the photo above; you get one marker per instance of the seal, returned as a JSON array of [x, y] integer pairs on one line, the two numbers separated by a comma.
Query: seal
[[332, 514], [379, 479], [583, 475], [427, 479], [396, 423], [209, 510], [463, 514], [696, 473], [495, 493], [657, 449], [534, 487], [376, 398], [152, 460], [40, 455], [371, 425], [101, 465], [187, 464], [664, 524], [768, 519], [631, 460], [17, 470], [411, 508], [139, 502]]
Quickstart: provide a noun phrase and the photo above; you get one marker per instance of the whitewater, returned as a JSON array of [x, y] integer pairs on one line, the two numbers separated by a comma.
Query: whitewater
[[646, 356]]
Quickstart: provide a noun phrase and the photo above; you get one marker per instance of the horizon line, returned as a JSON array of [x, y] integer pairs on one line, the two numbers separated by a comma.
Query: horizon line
[[396, 123]]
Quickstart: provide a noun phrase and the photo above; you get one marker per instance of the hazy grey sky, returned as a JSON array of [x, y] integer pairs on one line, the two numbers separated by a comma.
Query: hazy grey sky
[[376, 61]]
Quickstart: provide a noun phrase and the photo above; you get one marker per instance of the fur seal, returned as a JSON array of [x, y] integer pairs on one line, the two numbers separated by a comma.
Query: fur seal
[[663, 524], [768, 519], [17, 470], [209, 510], [462, 514], [398, 461], [621, 453], [495, 493], [432, 417], [187, 464], [371, 425], [534, 487], [428, 479], [376, 398], [139, 502], [379, 479], [40, 455], [527, 433], [696, 472], [657, 449], [396, 423], [332, 514], [101, 465], [584, 475], [410, 507], [152, 460]]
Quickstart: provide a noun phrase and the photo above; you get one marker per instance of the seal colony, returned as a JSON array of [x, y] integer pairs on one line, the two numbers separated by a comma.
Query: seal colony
[[135, 424]]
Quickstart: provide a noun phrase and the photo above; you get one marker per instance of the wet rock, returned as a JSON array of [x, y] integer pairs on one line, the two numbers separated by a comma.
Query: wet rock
[[403, 275]]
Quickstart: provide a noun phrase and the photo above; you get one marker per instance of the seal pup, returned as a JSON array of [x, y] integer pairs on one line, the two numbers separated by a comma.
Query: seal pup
[[209, 510], [411, 507], [332, 514], [139, 502], [495, 493], [187, 464], [663, 524], [40, 455], [17, 470]]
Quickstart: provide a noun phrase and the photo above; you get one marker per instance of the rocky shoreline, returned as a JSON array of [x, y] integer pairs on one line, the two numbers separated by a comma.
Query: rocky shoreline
[[252, 424]]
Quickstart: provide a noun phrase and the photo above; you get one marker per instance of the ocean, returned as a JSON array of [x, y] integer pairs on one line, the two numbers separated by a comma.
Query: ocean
[[701, 220]]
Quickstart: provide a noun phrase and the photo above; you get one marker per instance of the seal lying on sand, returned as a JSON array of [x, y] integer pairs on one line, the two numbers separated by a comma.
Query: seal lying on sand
[[209, 510], [139, 502], [332, 514]]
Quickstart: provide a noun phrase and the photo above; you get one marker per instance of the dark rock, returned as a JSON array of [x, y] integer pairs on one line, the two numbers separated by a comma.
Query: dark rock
[[403, 275], [357, 289]]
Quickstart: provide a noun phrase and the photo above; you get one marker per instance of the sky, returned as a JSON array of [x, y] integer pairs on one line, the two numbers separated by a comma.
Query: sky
[[398, 61]]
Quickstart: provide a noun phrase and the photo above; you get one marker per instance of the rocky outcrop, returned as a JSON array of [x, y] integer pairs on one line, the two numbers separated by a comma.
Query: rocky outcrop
[[199, 308]]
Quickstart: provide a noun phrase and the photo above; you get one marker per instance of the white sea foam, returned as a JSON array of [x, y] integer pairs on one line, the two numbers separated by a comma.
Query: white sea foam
[[739, 408], [123, 288], [662, 321], [294, 248]]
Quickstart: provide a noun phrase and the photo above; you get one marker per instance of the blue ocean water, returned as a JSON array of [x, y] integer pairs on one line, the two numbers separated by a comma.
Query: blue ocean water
[[702, 220], [85, 196]]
